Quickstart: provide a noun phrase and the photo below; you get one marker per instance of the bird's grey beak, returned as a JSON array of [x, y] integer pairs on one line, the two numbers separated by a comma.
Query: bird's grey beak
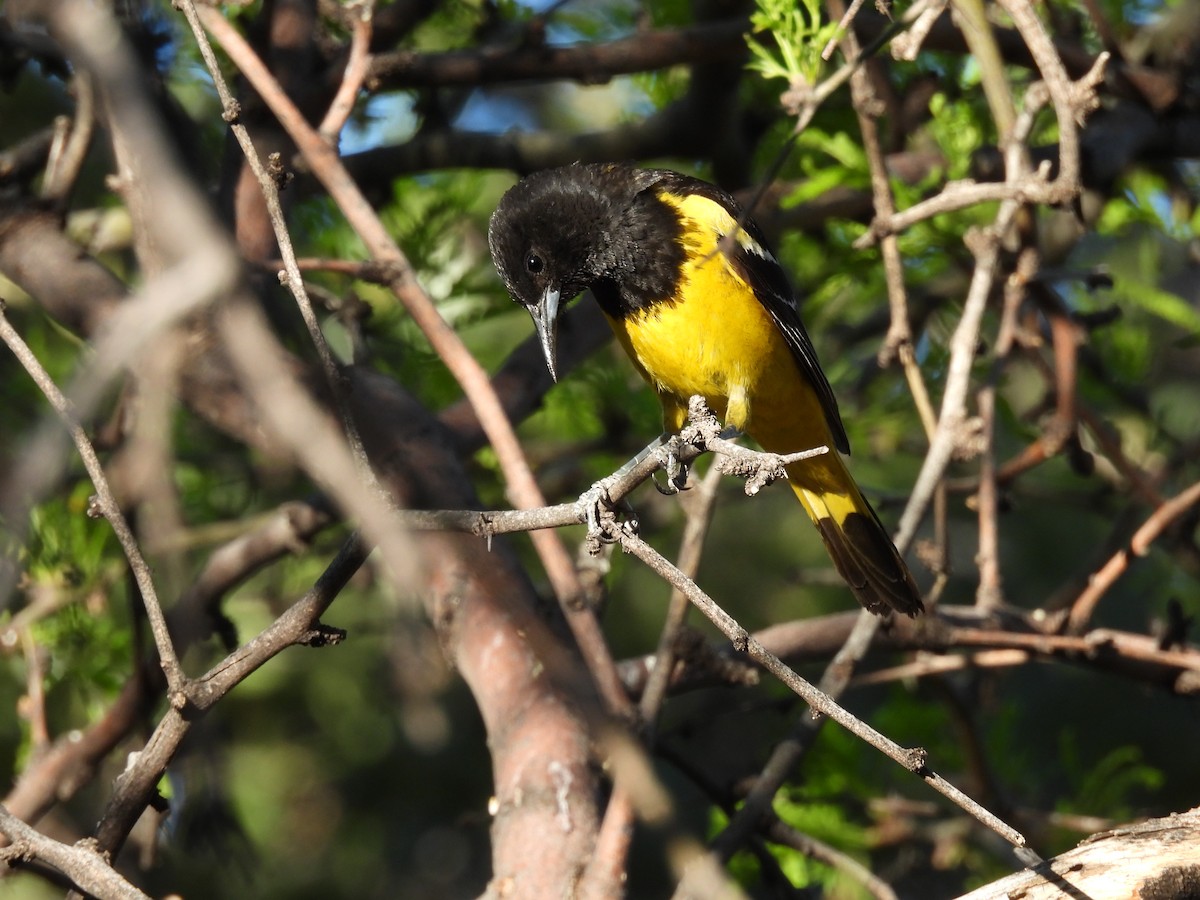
[[545, 320]]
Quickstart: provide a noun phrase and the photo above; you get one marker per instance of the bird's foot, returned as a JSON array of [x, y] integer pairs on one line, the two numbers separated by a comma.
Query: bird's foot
[[676, 471], [596, 508]]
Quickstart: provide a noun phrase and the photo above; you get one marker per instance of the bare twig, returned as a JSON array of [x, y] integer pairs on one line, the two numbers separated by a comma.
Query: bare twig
[[357, 65], [199, 269], [820, 851], [958, 195], [605, 874], [35, 693], [60, 770], [906, 46], [843, 24], [1139, 545], [287, 530], [755, 466], [295, 625], [929, 664], [989, 594], [524, 492], [698, 506], [1072, 101], [106, 505], [291, 277], [66, 161], [986, 247], [913, 760], [1137, 657], [87, 868], [787, 753], [711, 42], [982, 43]]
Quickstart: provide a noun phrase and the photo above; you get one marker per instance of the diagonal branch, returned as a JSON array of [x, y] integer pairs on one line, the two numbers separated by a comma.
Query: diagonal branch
[[1139, 545], [524, 492], [106, 505], [87, 868], [914, 760]]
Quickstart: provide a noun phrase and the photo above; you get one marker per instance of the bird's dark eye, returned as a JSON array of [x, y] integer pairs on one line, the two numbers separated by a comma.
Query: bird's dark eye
[[534, 263]]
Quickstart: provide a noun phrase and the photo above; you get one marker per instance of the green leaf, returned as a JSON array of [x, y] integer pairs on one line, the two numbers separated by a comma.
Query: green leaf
[[799, 36]]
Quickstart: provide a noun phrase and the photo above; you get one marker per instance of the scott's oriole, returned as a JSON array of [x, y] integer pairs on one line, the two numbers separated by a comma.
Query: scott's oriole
[[701, 307]]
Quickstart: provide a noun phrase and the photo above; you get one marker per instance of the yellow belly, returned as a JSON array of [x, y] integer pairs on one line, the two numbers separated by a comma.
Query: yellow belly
[[717, 340]]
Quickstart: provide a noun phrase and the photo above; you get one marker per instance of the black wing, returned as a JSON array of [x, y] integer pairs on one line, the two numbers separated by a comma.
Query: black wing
[[770, 284]]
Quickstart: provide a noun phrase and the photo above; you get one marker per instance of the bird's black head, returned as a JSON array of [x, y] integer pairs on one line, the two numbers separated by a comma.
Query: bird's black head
[[551, 237]]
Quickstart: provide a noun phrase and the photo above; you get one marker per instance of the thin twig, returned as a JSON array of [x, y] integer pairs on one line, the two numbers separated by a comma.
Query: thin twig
[[202, 269], [64, 166], [989, 595], [1139, 545], [1062, 427], [914, 760], [842, 28], [755, 466], [698, 509], [906, 46], [958, 195], [326, 165], [294, 625], [606, 873], [1109, 443], [951, 628], [977, 31], [788, 753], [783, 834], [862, 97], [106, 505], [986, 247], [357, 65], [35, 693], [268, 184], [523, 490], [1072, 101], [312, 434]]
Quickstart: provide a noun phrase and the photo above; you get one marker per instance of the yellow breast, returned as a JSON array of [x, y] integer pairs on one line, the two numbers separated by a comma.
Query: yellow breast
[[713, 337], [716, 339]]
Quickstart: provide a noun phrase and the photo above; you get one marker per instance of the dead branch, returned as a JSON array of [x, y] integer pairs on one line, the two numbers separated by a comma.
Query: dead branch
[[88, 869], [1152, 859]]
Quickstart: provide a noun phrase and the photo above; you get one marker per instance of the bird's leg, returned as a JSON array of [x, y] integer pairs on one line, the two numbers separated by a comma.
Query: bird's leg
[[596, 504], [667, 447], [653, 447]]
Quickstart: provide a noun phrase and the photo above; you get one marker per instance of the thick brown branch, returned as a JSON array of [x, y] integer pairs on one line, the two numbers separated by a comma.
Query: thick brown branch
[[88, 869], [1159, 858], [951, 630], [588, 63]]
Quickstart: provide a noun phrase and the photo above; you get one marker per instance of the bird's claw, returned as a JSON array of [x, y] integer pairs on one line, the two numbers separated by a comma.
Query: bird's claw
[[594, 504], [596, 508], [676, 471]]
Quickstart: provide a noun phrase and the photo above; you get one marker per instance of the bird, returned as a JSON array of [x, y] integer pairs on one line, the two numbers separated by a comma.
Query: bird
[[702, 307]]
